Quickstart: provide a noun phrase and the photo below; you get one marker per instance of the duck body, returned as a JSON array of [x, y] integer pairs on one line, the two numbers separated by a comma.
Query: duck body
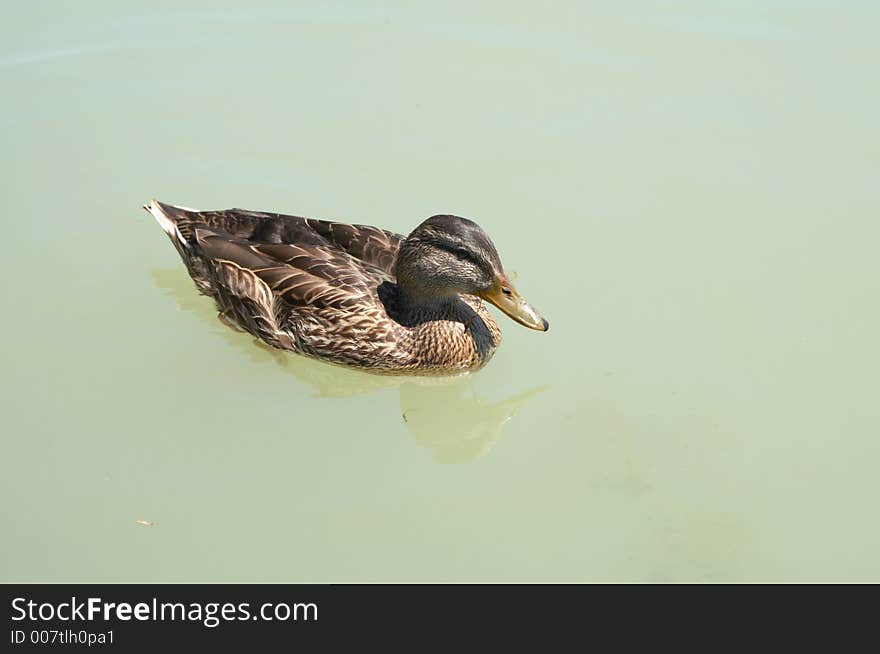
[[338, 292]]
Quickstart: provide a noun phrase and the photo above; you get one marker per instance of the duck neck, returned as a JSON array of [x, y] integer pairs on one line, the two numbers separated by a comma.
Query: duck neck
[[414, 297]]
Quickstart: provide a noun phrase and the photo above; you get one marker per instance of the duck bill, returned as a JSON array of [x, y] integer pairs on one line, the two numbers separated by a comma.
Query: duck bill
[[504, 296]]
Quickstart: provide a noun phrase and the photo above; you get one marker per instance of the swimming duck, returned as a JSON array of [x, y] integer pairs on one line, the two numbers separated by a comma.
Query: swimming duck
[[352, 294]]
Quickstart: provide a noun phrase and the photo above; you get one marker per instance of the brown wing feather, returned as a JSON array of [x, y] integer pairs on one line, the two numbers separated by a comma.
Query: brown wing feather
[[241, 295], [372, 245], [298, 275], [299, 284]]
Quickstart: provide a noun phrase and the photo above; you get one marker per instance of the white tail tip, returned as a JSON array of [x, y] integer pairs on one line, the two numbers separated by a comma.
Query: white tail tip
[[165, 222]]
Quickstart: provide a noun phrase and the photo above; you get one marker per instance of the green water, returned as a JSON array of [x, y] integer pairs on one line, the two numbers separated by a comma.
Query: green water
[[687, 190]]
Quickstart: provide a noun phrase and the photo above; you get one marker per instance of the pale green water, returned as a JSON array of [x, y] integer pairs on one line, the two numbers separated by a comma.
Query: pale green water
[[688, 191]]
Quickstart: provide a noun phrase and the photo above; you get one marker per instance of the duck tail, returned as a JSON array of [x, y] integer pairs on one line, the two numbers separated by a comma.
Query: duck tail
[[167, 223]]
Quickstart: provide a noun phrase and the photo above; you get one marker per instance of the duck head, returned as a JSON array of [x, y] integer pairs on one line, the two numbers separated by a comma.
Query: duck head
[[447, 255]]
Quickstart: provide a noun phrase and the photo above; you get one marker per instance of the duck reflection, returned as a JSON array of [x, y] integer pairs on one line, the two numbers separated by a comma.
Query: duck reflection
[[456, 427], [445, 415]]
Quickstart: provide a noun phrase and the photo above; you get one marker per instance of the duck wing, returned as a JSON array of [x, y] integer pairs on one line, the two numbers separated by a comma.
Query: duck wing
[[371, 245], [296, 274], [275, 275]]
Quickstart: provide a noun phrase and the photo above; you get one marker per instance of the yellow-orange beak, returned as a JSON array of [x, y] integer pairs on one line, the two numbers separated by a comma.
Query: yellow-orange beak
[[504, 296]]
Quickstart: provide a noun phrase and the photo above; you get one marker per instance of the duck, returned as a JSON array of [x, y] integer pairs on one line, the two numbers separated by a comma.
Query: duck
[[352, 294]]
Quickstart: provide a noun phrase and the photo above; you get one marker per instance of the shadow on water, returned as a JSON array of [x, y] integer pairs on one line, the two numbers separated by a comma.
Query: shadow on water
[[445, 415]]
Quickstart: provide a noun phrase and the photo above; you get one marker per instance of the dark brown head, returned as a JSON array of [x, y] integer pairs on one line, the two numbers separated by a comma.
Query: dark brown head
[[448, 255]]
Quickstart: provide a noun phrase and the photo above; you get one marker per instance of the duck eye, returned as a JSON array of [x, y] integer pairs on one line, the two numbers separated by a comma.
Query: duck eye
[[506, 291]]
